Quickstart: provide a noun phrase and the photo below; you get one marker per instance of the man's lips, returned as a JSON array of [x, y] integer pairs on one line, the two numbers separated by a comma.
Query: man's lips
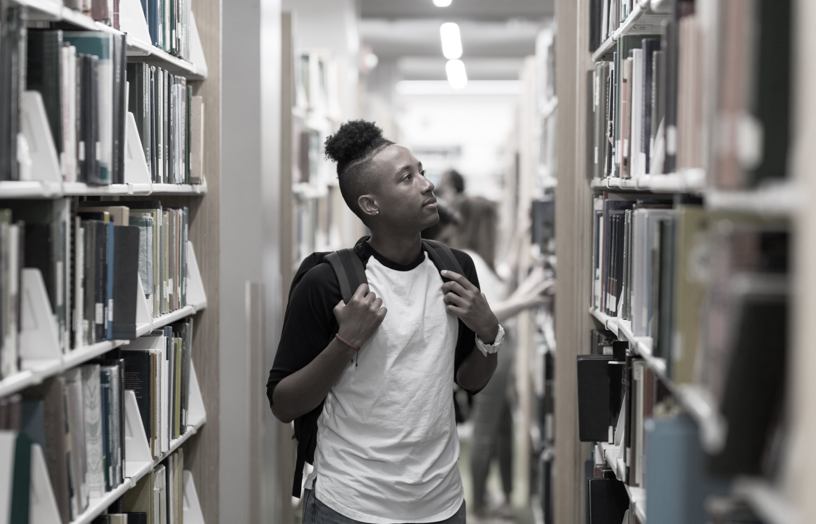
[[430, 201]]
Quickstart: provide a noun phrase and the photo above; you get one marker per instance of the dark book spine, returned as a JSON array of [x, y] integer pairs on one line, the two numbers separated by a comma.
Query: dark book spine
[[101, 273], [110, 266], [137, 379], [650, 45], [43, 75]]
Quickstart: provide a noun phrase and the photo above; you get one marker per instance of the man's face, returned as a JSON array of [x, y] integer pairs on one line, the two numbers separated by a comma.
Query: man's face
[[404, 196]]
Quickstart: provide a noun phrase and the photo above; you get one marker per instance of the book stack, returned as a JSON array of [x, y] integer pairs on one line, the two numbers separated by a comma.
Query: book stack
[[157, 369], [651, 114]]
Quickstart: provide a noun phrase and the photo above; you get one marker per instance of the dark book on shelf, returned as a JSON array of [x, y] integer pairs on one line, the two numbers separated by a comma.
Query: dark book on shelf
[[755, 376], [125, 283], [649, 46], [44, 49], [119, 64], [593, 398], [12, 71], [595, 14], [665, 301], [89, 119], [21, 480], [608, 501], [139, 379]]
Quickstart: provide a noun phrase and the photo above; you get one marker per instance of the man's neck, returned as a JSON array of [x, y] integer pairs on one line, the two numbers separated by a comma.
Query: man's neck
[[400, 249]]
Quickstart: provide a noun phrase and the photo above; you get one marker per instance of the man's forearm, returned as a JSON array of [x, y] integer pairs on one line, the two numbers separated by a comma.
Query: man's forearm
[[304, 390], [475, 371]]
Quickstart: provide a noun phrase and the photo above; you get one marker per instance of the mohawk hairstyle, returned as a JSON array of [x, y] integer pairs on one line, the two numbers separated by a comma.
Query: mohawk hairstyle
[[352, 148]]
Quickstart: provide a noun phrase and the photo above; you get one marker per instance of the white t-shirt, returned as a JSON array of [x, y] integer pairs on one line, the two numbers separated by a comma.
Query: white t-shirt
[[387, 447]]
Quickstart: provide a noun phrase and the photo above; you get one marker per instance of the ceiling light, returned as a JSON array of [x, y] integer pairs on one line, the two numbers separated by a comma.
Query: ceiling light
[[457, 76], [442, 3], [451, 40]]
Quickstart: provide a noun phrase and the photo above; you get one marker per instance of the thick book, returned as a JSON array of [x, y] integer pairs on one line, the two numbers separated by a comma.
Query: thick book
[[608, 501], [43, 67], [88, 135], [196, 124], [125, 283], [755, 374], [593, 398], [675, 478], [21, 480], [93, 430]]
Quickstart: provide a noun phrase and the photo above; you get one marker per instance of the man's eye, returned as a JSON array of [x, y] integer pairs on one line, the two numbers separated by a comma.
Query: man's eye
[[407, 177]]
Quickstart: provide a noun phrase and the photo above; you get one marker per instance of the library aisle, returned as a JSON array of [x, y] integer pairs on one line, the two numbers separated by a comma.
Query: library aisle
[[631, 179]]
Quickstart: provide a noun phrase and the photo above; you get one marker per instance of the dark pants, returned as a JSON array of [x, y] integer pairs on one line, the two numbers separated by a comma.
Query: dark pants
[[315, 512]]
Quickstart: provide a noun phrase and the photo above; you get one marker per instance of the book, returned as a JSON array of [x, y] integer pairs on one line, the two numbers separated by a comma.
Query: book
[[12, 67], [675, 478], [50, 393], [608, 501], [75, 422], [101, 45], [43, 67], [93, 430], [593, 398]]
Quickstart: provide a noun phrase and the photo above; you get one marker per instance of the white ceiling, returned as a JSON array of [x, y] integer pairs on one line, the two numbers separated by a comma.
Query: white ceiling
[[496, 35]]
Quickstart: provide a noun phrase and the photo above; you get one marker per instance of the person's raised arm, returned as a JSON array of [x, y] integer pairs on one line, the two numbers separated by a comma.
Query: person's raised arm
[[304, 390]]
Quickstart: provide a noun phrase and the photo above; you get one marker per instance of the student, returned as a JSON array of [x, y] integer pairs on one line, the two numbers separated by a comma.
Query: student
[[384, 364], [492, 412]]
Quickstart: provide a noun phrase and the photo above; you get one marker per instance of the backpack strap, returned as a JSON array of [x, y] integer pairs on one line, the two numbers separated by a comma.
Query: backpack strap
[[442, 257], [349, 270]]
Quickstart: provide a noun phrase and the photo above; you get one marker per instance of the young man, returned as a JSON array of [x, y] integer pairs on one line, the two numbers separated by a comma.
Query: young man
[[384, 363]]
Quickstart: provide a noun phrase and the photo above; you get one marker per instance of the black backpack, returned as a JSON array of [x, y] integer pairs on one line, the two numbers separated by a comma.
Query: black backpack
[[350, 274]]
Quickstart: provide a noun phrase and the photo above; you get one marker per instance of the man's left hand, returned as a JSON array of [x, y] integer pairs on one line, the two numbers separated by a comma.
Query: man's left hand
[[467, 303]]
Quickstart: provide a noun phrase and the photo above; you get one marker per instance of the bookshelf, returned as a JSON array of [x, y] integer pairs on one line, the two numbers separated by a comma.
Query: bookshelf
[[42, 358], [769, 195]]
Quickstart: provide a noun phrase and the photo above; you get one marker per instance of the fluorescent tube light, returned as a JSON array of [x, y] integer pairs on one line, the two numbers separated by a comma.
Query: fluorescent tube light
[[474, 87], [457, 76], [451, 40], [442, 3]]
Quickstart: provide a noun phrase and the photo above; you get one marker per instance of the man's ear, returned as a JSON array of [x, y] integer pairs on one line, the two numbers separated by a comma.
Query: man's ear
[[368, 205]]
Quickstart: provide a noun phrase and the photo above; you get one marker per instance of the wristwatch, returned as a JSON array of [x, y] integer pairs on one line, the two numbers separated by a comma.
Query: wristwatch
[[489, 349]]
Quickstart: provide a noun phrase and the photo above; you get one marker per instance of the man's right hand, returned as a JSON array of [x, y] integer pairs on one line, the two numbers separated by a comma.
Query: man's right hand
[[359, 319]]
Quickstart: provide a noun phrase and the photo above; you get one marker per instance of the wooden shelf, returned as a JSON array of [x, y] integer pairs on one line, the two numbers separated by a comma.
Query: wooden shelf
[[695, 399], [642, 20], [53, 11]]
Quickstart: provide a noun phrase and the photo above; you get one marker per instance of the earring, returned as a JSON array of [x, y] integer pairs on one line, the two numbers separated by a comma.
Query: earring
[[378, 212]]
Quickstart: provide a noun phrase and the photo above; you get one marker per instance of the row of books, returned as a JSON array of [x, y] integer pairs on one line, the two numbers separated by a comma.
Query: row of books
[[317, 83], [167, 20], [83, 78], [606, 17], [159, 495], [92, 256], [649, 442], [78, 418], [158, 371], [649, 101], [688, 278]]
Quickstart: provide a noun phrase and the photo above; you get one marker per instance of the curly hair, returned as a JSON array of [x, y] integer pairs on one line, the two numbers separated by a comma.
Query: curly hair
[[353, 147]]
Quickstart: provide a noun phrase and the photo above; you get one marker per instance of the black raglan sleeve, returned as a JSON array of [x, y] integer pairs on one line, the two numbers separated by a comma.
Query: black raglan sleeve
[[467, 338], [308, 325]]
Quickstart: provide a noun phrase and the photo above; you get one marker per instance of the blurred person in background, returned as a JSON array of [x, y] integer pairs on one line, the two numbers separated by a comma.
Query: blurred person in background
[[492, 412], [451, 188]]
